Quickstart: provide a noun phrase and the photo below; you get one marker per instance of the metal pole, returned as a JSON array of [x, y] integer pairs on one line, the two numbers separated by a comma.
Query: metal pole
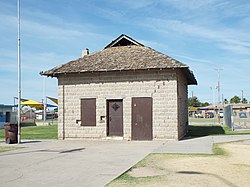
[[192, 103], [222, 96], [218, 69], [19, 75], [44, 100], [242, 96], [213, 104], [219, 94], [214, 107]]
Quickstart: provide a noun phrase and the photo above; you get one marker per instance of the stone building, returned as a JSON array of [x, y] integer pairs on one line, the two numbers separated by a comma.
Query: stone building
[[127, 91]]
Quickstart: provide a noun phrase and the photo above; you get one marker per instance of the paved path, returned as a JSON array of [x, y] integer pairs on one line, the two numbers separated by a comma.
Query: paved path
[[201, 145], [70, 163], [88, 163]]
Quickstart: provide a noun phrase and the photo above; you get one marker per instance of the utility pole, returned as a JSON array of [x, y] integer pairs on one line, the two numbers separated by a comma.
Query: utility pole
[[192, 103], [242, 96], [222, 100], [211, 88], [18, 75], [218, 69], [213, 104]]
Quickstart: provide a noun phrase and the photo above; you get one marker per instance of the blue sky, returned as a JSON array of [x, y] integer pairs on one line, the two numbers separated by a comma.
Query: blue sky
[[203, 34]]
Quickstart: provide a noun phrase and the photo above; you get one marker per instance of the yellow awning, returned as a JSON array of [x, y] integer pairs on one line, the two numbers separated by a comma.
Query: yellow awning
[[32, 104], [53, 99], [192, 109]]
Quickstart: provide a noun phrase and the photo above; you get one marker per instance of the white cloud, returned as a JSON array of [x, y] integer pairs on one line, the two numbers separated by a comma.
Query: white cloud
[[153, 44], [42, 30], [193, 60], [135, 4], [240, 49], [225, 37], [50, 32], [191, 4]]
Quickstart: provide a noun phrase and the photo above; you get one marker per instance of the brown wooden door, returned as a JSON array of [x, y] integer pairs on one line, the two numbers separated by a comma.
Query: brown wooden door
[[142, 118], [115, 118]]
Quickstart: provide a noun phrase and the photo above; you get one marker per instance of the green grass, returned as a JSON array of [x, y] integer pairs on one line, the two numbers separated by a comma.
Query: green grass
[[202, 120], [32, 121], [35, 132], [207, 130], [126, 180], [215, 120], [6, 148], [217, 150]]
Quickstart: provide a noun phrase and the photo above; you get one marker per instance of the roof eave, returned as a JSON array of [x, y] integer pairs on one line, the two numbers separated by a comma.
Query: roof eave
[[56, 74], [190, 76]]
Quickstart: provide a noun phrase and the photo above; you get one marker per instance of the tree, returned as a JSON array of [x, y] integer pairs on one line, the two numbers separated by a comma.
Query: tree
[[244, 100], [235, 99], [225, 101], [205, 104], [193, 101]]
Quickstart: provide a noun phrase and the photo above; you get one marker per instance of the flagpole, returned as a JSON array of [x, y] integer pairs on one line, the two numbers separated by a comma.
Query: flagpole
[[19, 75], [44, 100]]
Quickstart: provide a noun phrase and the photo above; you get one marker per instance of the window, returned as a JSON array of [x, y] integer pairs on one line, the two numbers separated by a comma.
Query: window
[[88, 112]]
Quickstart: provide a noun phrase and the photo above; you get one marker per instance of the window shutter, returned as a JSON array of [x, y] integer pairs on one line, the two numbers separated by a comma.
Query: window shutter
[[88, 112]]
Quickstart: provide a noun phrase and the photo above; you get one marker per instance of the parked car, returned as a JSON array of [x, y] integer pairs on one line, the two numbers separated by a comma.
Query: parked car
[[198, 115], [209, 115]]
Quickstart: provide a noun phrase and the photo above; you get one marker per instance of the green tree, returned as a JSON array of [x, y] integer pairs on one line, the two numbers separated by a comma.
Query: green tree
[[194, 101], [205, 104], [244, 100], [235, 99], [225, 101]]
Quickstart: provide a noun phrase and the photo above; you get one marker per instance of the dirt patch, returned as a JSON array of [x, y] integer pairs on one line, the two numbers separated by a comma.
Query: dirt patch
[[232, 169]]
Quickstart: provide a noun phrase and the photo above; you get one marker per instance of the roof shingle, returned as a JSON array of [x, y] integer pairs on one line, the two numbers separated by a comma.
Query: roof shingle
[[121, 58]]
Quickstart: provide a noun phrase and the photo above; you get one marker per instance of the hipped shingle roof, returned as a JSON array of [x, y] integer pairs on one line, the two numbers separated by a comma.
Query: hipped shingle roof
[[122, 58]]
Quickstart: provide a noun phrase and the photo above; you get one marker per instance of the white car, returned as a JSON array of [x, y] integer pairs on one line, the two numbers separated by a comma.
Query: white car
[[198, 115]]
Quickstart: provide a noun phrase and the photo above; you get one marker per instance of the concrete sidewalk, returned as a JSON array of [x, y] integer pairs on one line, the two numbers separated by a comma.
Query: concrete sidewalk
[[88, 163], [201, 145], [70, 163]]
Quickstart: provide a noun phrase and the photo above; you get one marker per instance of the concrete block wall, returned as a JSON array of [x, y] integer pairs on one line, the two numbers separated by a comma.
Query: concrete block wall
[[182, 104], [161, 85]]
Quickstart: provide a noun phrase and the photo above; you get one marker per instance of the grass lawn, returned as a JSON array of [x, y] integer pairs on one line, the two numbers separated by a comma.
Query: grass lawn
[[36, 132], [215, 120], [30, 121], [207, 130]]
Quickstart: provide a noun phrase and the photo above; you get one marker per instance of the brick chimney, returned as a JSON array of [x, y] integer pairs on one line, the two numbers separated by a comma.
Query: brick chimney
[[85, 52]]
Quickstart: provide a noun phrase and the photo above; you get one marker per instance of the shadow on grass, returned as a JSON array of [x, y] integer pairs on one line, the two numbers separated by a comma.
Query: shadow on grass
[[199, 131]]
